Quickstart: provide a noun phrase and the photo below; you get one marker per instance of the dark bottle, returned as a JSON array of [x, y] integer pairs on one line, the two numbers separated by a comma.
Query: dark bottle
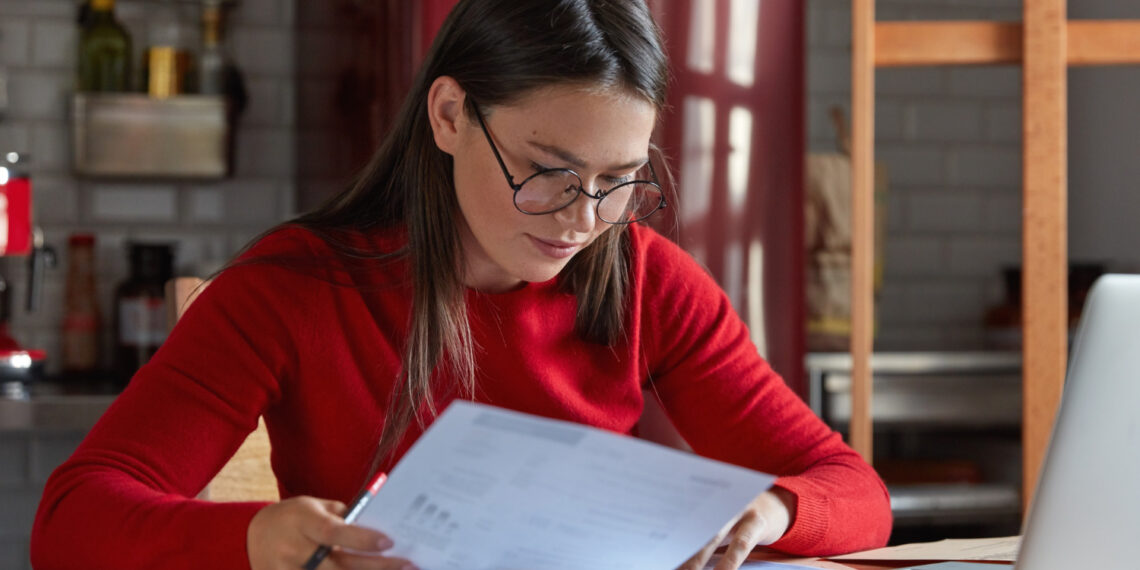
[[140, 313], [104, 51]]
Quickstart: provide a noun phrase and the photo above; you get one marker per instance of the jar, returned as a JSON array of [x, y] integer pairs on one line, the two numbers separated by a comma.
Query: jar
[[140, 312], [80, 335]]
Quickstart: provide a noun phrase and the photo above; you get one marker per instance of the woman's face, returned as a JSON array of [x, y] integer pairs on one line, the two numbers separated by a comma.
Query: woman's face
[[603, 135]]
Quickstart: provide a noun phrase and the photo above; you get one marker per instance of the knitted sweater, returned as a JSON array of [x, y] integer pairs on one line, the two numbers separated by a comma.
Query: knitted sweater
[[315, 347]]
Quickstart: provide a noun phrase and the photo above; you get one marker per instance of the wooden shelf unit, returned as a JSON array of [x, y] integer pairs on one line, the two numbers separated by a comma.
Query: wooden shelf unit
[[1044, 44]]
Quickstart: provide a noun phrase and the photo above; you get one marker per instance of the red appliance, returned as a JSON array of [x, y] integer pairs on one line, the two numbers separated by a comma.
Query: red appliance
[[20, 367]]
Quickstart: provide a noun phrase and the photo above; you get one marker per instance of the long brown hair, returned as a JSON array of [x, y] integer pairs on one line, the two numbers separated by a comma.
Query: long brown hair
[[498, 51]]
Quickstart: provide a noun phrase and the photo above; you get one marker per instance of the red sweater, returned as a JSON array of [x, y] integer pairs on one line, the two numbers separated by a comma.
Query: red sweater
[[318, 360]]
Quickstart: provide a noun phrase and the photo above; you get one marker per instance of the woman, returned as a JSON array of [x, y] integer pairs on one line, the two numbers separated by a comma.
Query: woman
[[486, 252]]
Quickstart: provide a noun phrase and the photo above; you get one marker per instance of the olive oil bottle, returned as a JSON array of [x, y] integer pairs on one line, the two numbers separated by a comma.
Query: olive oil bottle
[[104, 51]]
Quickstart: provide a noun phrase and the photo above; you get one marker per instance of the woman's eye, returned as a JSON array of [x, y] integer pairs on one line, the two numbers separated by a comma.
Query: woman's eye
[[617, 180]]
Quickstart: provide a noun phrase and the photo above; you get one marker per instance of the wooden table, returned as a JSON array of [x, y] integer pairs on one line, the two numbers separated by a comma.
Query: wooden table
[[770, 556]]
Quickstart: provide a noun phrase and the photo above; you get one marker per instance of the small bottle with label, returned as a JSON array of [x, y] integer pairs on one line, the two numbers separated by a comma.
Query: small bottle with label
[[140, 316], [80, 334]]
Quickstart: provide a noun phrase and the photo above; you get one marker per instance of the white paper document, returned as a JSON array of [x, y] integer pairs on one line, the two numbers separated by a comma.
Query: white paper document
[[492, 489]]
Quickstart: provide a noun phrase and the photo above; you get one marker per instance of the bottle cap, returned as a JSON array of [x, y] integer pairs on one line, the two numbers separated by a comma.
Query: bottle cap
[[81, 239]]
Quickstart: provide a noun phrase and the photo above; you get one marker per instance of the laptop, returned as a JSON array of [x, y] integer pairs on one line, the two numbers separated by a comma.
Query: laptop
[[1085, 513], [1086, 510]]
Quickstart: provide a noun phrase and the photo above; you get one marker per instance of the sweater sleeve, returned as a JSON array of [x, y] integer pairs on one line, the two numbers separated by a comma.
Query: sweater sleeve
[[731, 406], [125, 497]]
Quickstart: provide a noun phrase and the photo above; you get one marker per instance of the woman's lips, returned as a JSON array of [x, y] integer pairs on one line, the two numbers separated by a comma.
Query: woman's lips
[[554, 248]]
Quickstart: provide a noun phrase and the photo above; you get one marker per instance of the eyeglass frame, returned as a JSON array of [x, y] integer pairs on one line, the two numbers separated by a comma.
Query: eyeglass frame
[[599, 195]]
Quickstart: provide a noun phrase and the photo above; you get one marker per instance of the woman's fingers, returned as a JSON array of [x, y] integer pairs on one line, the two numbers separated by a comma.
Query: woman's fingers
[[285, 535], [353, 561], [745, 535], [698, 561], [328, 528]]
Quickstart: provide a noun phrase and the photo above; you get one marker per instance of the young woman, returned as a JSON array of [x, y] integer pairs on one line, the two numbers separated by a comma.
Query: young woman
[[490, 251]]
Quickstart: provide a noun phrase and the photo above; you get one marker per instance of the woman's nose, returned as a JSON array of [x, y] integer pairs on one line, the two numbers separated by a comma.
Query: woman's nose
[[580, 214]]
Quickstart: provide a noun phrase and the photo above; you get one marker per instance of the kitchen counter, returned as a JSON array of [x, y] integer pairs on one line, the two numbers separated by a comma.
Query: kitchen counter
[[50, 408]]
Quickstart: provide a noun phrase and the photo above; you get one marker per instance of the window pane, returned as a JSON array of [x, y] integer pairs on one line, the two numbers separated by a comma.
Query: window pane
[[702, 36], [744, 23], [697, 157], [740, 155]]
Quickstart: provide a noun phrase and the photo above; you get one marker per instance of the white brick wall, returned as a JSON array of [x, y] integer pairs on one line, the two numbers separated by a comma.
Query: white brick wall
[[209, 220], [950, 141]]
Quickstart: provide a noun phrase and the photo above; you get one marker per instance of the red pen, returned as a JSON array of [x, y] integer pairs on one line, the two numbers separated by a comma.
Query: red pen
[[354, 511]]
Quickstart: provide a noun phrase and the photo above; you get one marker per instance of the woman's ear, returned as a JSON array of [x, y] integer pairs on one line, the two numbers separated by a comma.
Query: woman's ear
[[445, 112]]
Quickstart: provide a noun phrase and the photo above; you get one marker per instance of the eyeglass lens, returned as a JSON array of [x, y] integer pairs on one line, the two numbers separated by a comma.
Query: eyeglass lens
[[553, 190]]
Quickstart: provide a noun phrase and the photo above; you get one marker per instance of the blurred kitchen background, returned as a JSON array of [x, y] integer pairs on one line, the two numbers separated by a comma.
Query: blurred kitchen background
[[320, 80]]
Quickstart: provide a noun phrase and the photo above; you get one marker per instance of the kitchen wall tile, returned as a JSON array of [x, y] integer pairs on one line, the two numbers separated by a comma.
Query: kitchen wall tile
[[48, 313], [51, 148], [14, 554], [14, 41], [265, 102], [999, 81], [944, 301], [265, 152], [38, 94], [914, 256], [54, 44], [946, 211], [134, 203], [56, 199], [912, 164], [1003, 122], [990, 167], [258, 13], [18, 513], [15, 137], [250, 202], [13, 460], [111, 263], [983, 256], [51, 450], [205, 205], [910, 81], [263, 51], [1003, 214], [829, 72], [948, 122], [46, 8]]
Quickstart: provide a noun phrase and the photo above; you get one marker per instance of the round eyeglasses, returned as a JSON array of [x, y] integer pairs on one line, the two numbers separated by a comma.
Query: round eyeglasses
[[552, 189]]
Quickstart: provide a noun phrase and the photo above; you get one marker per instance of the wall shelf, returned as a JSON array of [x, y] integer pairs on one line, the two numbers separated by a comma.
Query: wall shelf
[[135, 136]]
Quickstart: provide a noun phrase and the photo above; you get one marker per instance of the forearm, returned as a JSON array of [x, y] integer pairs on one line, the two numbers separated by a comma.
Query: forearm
[[839, 508], [93, 517]]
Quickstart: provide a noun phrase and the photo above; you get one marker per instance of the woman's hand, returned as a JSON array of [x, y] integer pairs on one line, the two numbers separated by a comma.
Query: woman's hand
[[285, 534], [763, 522]]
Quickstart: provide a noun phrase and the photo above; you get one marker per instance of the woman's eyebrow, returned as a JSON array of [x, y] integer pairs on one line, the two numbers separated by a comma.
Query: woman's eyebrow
[[577, 162]]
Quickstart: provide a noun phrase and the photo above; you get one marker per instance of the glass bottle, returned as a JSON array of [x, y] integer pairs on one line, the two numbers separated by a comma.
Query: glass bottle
[[81, 317], [140, 312], [166, 61], [212, 60], [104, 51]]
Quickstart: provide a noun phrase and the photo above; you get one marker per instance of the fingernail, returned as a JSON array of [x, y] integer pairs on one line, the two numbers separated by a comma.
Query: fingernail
[[384, 544]]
